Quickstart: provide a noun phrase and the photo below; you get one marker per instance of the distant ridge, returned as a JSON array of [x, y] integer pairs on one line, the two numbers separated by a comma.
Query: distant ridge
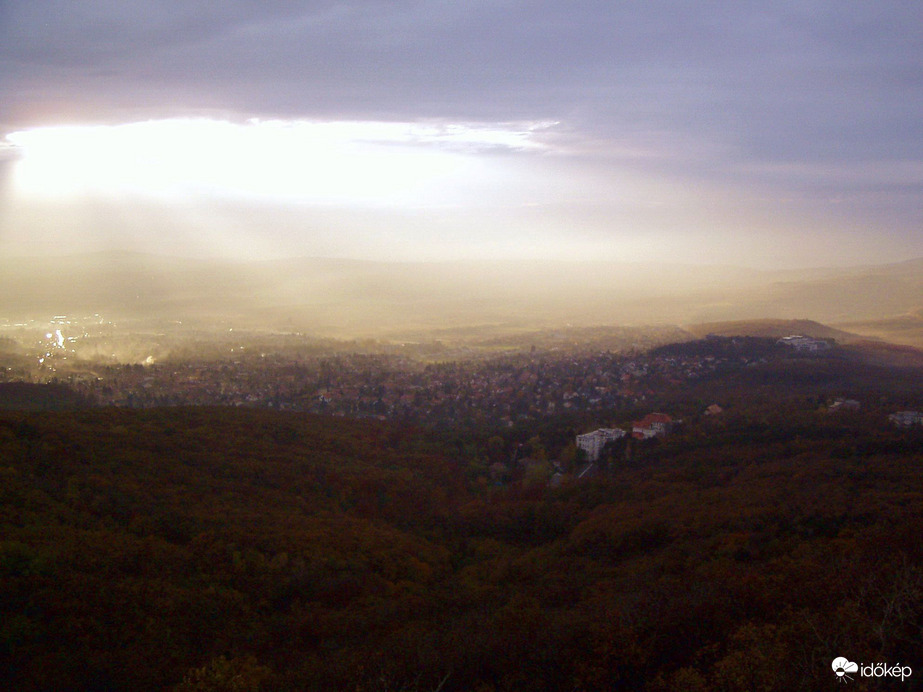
[[350, 297], [885, 354], [902, 329], [869, 350], [773, 328]]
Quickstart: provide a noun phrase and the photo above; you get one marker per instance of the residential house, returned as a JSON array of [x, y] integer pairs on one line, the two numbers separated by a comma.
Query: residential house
[[841, 404], [906, 419], [652, 425]]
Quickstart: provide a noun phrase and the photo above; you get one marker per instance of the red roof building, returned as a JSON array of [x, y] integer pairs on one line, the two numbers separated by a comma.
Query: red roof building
[[652, 425]]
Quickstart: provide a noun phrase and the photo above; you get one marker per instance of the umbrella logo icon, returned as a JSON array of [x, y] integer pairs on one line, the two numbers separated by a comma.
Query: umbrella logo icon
[[842, 666]]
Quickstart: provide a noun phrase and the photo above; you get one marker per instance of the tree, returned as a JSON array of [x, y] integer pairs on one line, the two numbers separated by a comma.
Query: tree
[[239, 674]]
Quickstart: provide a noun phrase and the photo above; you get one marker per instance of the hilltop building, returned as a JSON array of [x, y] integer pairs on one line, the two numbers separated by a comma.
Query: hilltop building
[[593, 442], [804, 343]]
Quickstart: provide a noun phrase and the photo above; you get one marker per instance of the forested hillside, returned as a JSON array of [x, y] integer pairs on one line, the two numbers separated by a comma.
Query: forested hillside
[[186, 548]]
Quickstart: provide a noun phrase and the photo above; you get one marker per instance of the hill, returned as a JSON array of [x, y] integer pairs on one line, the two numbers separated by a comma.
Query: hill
[[189, 548], [856, 347], [904, 329], [775, 328], [25, 396]]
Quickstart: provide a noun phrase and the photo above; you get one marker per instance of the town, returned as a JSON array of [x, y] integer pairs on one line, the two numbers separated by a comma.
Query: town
[[427, 386], [643, 379]]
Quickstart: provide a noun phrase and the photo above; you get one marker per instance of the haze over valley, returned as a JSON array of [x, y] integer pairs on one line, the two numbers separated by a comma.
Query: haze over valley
[[350, 298]]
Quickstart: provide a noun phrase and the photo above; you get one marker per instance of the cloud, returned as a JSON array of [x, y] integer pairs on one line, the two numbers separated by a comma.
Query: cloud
[[707, 68], [806, 101], [735, 80], [340, 162]]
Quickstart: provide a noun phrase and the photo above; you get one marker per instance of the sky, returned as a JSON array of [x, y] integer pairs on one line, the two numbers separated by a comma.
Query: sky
[[768, 135]]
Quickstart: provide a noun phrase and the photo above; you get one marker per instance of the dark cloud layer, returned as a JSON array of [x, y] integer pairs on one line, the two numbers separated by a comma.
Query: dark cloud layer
[[747, 69]]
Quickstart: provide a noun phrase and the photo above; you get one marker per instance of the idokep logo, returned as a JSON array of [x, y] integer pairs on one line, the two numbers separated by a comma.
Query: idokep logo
[[843, 667]]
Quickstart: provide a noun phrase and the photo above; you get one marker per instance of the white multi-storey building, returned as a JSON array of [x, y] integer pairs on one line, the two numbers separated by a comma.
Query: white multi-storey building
[[593, 442]]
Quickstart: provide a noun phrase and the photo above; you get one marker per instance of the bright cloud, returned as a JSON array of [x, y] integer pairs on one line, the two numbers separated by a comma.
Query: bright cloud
[[355, 163]]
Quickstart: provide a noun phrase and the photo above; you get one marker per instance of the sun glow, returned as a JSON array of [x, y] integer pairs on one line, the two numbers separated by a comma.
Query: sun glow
[[316, 162]]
